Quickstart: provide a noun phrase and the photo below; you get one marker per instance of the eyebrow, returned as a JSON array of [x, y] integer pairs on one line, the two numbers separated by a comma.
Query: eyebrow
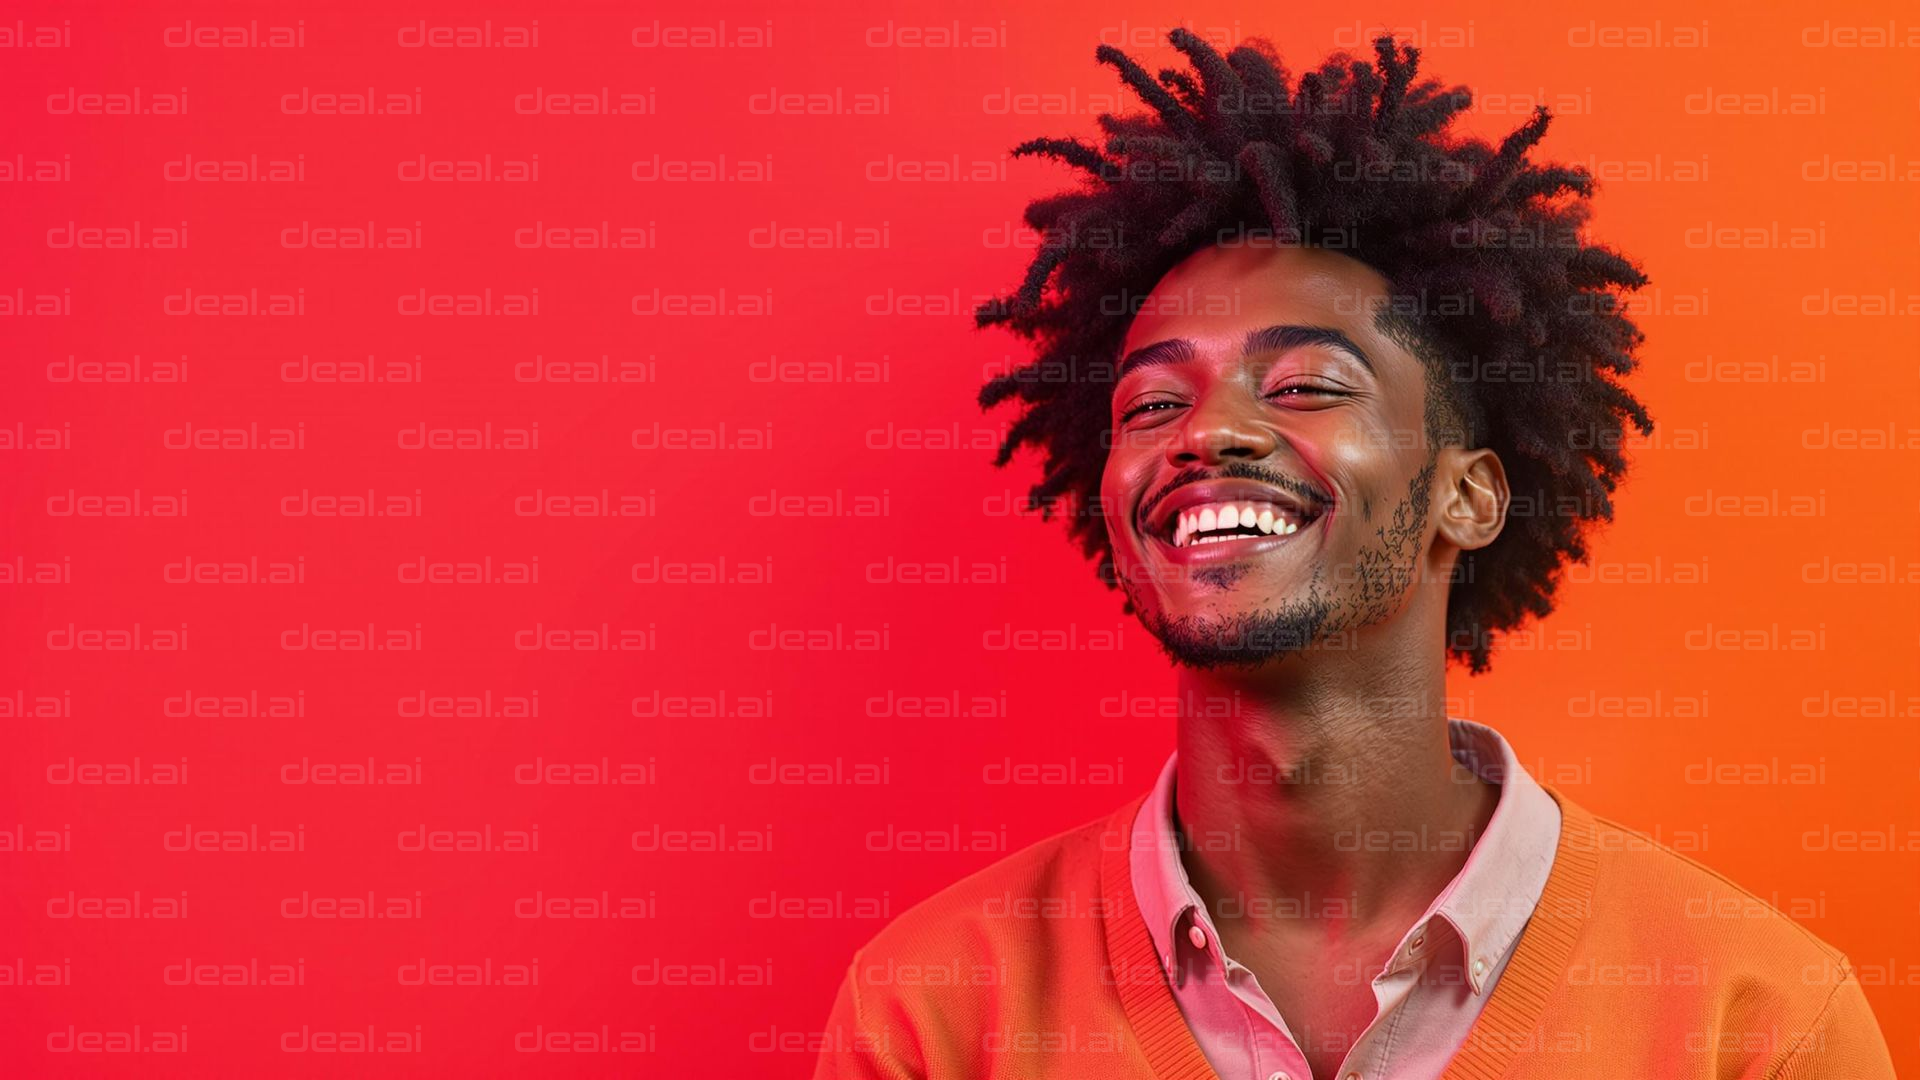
[[1267, 338]]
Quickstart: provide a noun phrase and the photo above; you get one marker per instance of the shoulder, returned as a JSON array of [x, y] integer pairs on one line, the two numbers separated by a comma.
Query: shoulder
[[980, 960], [1661, 944], [1671, 896], [1049, 890], [1670, 940]]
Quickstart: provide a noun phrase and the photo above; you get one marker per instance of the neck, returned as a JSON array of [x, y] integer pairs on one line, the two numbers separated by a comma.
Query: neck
[[1326, 784]]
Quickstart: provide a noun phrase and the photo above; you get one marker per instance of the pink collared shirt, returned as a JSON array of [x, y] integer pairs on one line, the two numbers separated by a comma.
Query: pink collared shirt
[[1430, 991]]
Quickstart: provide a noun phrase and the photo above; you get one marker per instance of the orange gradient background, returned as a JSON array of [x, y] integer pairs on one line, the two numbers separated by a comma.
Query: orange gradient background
[[1781, 479]]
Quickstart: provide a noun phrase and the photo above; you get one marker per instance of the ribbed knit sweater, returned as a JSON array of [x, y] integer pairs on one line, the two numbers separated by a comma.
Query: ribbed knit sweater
[[1637, 962]]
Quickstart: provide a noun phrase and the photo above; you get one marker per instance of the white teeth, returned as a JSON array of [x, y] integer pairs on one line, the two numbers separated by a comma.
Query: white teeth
[[1267, 518]]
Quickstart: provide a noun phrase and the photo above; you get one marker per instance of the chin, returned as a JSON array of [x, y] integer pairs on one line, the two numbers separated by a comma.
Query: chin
[[1245, 638]]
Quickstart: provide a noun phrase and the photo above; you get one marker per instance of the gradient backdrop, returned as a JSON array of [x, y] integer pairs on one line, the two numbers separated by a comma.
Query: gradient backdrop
[[615, 385]]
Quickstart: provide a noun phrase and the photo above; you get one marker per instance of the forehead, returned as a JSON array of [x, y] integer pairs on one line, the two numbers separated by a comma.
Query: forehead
[[1217, 294]]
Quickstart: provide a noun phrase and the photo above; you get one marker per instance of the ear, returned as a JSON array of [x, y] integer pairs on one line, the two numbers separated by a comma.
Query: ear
[[1473, 498]]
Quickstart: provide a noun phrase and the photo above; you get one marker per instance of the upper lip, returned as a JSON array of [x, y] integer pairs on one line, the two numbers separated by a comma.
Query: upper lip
[[1167, 513]]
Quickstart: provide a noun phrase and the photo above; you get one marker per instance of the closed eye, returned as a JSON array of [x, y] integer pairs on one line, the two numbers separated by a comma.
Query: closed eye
[[1293, 390], [1308, 388], [1146, 406]]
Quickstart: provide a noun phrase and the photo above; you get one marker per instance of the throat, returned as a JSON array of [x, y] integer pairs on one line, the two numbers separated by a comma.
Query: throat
[[1382, 823]]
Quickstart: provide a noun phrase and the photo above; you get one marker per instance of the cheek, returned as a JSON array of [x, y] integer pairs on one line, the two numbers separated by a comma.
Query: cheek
[[1114, 500], [1365, 460], [1351, 470], [1120, 493]]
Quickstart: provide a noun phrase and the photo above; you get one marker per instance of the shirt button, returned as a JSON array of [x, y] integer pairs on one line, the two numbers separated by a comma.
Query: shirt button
[[1479, 967], [1197, 936], [1280, 1076], [1419, 941]]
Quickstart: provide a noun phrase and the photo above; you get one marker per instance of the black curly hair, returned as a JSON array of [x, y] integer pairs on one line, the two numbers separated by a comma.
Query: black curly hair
[[1492, 287]]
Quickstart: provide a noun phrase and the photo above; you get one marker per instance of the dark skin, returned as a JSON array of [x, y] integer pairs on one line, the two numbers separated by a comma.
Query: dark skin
[[1337, 726]]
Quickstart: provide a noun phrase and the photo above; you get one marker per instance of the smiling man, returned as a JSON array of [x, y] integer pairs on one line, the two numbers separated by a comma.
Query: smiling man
[[1330, 393]]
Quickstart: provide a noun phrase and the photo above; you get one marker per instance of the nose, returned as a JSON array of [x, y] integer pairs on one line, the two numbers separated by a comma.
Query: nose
[[1224, 425]]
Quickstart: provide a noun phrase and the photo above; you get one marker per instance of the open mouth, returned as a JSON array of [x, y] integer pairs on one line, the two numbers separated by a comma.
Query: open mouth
[[1224, 522], [1233, 514]]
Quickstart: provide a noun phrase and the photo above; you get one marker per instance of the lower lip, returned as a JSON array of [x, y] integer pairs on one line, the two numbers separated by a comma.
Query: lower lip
[[1229, 550]]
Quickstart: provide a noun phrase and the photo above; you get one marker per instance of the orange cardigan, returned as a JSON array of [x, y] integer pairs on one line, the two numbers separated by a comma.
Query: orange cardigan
[[1638, 962]]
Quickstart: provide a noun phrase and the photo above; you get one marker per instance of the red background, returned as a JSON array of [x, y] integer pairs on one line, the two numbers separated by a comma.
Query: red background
[[855, 385]]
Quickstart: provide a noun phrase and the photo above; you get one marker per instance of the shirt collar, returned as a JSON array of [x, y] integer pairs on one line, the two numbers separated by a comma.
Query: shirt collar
[[1487, 903], [1160, 884]]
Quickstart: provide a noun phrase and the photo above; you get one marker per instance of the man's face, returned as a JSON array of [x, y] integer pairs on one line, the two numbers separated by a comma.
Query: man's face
[[1270, 476]]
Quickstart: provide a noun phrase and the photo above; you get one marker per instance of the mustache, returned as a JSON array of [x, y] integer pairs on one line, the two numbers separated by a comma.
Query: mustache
[[1236, 470]]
